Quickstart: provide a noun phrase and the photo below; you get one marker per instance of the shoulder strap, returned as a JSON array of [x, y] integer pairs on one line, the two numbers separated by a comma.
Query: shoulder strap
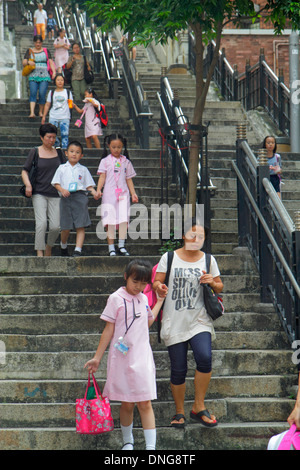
[[207, 259], [46, 52], [170, 257], [60, 155], [169, 264], [35, 157]]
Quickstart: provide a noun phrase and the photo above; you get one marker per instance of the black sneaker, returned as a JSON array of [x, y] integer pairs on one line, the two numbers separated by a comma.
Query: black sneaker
[[64, 252], [123, 252], [77, 253]]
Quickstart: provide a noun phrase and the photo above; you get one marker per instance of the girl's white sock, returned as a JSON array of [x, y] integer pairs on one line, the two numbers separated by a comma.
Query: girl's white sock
[[63, 245], [121, 243], [150, 438], [127, 437], [111, 247]]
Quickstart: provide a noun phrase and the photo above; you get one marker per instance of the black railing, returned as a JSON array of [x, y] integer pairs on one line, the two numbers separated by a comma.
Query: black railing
[[138, 105], [176, 132], [257, 86], [273, 239]]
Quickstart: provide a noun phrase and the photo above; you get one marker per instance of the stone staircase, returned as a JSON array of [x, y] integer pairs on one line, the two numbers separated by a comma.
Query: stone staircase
[[50, 310]]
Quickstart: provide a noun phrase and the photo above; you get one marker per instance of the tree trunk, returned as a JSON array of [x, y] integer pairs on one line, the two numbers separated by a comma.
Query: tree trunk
[[201, 93]]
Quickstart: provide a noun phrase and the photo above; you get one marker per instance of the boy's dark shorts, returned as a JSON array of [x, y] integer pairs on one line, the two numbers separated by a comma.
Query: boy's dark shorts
[[74, 211], [275, 180]]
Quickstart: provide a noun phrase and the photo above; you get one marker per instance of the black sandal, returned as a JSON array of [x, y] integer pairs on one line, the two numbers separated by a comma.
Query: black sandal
[[177, 418], [112, 253], [199, 417]]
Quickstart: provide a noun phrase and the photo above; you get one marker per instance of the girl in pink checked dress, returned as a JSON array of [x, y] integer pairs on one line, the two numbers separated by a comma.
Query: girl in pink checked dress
[[130, 365], [92, 127], [116, 173]]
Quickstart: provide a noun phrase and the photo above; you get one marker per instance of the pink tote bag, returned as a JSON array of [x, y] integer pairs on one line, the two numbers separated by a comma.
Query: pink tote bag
[[93, 416]]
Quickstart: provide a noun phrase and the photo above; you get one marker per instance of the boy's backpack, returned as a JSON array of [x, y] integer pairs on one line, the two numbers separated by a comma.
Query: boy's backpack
[[150, 293], [102, 115]]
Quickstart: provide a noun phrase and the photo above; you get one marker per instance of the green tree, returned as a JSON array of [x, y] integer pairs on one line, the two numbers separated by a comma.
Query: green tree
[[160, 20]]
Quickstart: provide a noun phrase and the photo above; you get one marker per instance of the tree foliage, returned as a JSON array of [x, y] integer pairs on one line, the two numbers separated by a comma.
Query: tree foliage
[[161, 20]]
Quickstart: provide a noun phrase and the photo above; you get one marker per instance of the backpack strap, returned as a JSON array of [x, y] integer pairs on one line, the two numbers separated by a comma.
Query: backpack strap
[[60, 155], [208, 260], [170, 257]]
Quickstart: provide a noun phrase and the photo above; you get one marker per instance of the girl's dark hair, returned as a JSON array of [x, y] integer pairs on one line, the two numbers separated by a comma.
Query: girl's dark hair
[[58, 75], [75, 43], [140, 269], [264, 142], [109, 138], [47, 129], [37, 37], [91, 90]]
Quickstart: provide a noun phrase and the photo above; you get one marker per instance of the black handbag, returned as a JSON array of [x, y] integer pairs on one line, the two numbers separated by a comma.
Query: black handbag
[[213, 304], [32, 173], [88, 74]]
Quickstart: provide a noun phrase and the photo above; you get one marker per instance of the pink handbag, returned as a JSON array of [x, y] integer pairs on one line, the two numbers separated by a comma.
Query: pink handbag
[[291, 439], [93, 416], [78, 123]]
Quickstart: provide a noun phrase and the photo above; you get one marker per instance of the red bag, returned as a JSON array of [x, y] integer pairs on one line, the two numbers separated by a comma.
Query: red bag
[[93, 416], [102, 115]]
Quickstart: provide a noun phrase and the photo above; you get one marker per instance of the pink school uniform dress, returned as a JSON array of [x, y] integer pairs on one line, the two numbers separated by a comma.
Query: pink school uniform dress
[[115, 207], [61, 54], [92, 123], [131, 377]]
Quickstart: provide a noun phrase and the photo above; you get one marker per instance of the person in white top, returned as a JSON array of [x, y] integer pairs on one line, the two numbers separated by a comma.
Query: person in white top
[[72, 180], [185, 320], [40, 21], [59, 102]]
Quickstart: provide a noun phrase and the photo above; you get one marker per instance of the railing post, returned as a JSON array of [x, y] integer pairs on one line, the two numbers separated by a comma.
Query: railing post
[[280, 101], [261, 78], [296, 262], [222, 75], [248, 97], [265, 270], [235, 91], [241, 201], [145, 122]]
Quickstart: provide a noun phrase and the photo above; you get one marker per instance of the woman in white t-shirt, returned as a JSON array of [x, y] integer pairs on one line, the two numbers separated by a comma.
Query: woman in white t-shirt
[[59, 101], [185, 320]]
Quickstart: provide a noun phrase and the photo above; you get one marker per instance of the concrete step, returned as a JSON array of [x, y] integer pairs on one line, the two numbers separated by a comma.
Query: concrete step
[[230, 436], [67, 390], [73, 342], [63, 415], [69, 365], [91, 303]]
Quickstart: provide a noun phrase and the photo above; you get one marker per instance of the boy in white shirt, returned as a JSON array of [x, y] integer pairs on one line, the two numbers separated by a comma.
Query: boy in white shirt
[[73, 180]]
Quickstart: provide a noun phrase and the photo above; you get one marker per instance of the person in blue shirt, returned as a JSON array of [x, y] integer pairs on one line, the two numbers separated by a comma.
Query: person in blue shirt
[[274, 162]]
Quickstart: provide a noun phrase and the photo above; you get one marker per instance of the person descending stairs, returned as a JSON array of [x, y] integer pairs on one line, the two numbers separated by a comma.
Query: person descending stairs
[[50, 309]]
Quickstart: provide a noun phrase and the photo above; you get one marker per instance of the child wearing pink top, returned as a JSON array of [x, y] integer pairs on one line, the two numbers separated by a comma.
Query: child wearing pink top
[[116, 173], [130, 366]]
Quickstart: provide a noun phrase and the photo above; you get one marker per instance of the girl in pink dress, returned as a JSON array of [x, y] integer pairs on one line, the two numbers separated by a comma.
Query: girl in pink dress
[[116, 173], [92, 128], [62, 46], [130, 367]]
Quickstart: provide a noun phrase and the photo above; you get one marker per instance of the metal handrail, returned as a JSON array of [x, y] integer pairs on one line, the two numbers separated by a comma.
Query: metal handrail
[[182, 120], [288, 223]]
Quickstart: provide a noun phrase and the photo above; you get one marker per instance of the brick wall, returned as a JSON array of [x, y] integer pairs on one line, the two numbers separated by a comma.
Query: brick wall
[[239, 48]]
